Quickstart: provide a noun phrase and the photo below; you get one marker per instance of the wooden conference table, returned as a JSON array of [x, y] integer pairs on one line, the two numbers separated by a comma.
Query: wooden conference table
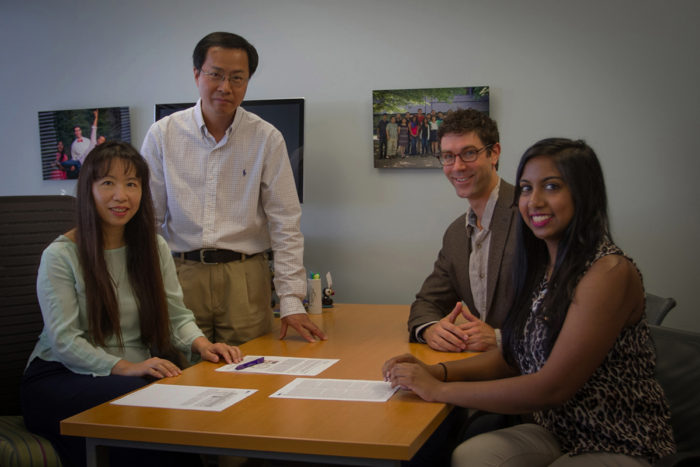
[[339, 432]]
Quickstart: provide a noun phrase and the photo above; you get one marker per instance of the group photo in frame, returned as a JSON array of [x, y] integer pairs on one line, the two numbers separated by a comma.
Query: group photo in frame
[[405, 122], [67, 136]]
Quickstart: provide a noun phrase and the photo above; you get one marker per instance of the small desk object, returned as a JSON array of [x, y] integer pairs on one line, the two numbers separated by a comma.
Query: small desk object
[[335, 432]]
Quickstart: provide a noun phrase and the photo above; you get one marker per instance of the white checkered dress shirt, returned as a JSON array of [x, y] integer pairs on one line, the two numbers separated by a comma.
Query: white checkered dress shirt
[[237, 194]]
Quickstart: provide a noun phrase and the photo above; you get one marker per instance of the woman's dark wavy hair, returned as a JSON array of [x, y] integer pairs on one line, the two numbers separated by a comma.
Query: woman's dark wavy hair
[[143, 262], [581, 171]]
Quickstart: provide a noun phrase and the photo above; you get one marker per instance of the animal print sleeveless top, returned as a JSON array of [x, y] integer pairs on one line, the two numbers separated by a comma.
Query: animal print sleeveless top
[[621, 408]]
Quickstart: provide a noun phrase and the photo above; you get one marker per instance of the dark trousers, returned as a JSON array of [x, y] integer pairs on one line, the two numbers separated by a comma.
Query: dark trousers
[[72, 169], [51, 392], [425, 149], [382, 147]]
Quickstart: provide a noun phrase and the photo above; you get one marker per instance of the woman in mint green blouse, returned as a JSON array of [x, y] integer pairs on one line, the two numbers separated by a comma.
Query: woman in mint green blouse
[[111, 303]]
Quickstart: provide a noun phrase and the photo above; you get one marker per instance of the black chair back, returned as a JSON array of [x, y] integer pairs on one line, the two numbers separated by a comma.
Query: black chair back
[[27, 225]]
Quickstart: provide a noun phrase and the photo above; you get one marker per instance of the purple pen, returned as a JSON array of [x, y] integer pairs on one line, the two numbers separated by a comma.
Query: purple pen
[[253, 362]]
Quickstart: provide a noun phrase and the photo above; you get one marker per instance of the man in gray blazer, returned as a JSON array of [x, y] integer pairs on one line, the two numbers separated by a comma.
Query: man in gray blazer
[[474, 266]]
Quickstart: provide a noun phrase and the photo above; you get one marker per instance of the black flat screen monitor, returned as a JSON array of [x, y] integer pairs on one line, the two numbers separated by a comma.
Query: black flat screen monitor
[[287, 115]]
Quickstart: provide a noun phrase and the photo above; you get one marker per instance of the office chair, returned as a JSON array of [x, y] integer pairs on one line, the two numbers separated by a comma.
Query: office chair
[[658, 307], [678, 372], [27, 225]]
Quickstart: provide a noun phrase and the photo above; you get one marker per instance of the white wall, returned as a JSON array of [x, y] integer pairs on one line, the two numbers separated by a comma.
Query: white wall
[[624, 75]]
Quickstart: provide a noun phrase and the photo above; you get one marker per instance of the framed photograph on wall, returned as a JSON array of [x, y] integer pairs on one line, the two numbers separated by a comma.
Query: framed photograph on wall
[[405, 122], [66, 137]]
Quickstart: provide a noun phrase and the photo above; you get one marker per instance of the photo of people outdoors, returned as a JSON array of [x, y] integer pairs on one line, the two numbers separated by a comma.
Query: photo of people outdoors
[[405, 122], [67, 136]]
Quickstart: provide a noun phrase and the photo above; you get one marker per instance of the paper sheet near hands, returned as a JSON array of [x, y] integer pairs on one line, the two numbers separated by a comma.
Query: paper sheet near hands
[[337, 389], [275, 365], [172, 396]]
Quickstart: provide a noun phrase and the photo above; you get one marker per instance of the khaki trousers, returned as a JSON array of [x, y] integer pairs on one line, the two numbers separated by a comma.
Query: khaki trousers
[[230, 301], [530, 445]]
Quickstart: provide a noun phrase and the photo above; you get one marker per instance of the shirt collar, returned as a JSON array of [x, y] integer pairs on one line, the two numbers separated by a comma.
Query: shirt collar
[[199, 120], [488, 210]]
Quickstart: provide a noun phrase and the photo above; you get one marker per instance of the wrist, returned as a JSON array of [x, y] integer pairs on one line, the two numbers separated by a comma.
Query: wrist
[[441, 392], [291, 305], [200, 344], [120, 368], [438, 371], [420, 330], [443, 368]]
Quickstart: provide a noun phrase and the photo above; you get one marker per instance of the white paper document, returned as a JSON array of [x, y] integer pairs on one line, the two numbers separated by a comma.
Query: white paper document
[[274, 365], [171, 396], [337, 389]]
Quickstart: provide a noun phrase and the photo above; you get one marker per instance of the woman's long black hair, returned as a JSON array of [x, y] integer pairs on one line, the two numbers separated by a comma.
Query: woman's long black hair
[[143, 262], [581, 171]]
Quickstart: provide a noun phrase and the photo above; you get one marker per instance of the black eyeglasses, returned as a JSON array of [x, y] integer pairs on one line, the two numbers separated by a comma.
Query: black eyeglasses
[[467, 155]]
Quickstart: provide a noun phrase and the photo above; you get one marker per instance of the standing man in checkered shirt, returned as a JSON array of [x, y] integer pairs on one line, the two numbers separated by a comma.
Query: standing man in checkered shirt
[[224, 194]]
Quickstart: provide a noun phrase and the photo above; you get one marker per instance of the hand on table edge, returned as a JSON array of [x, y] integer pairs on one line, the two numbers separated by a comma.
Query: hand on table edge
[[304, 326], [155, 367], [408, 372], [214, 351]]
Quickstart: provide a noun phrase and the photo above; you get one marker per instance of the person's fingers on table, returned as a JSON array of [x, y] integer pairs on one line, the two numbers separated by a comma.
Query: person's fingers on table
[[439, 337]]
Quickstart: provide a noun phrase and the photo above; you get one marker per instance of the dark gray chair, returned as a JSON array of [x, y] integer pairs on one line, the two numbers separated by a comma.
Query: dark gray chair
[[678, 372], [657, 308], [27, 225]]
